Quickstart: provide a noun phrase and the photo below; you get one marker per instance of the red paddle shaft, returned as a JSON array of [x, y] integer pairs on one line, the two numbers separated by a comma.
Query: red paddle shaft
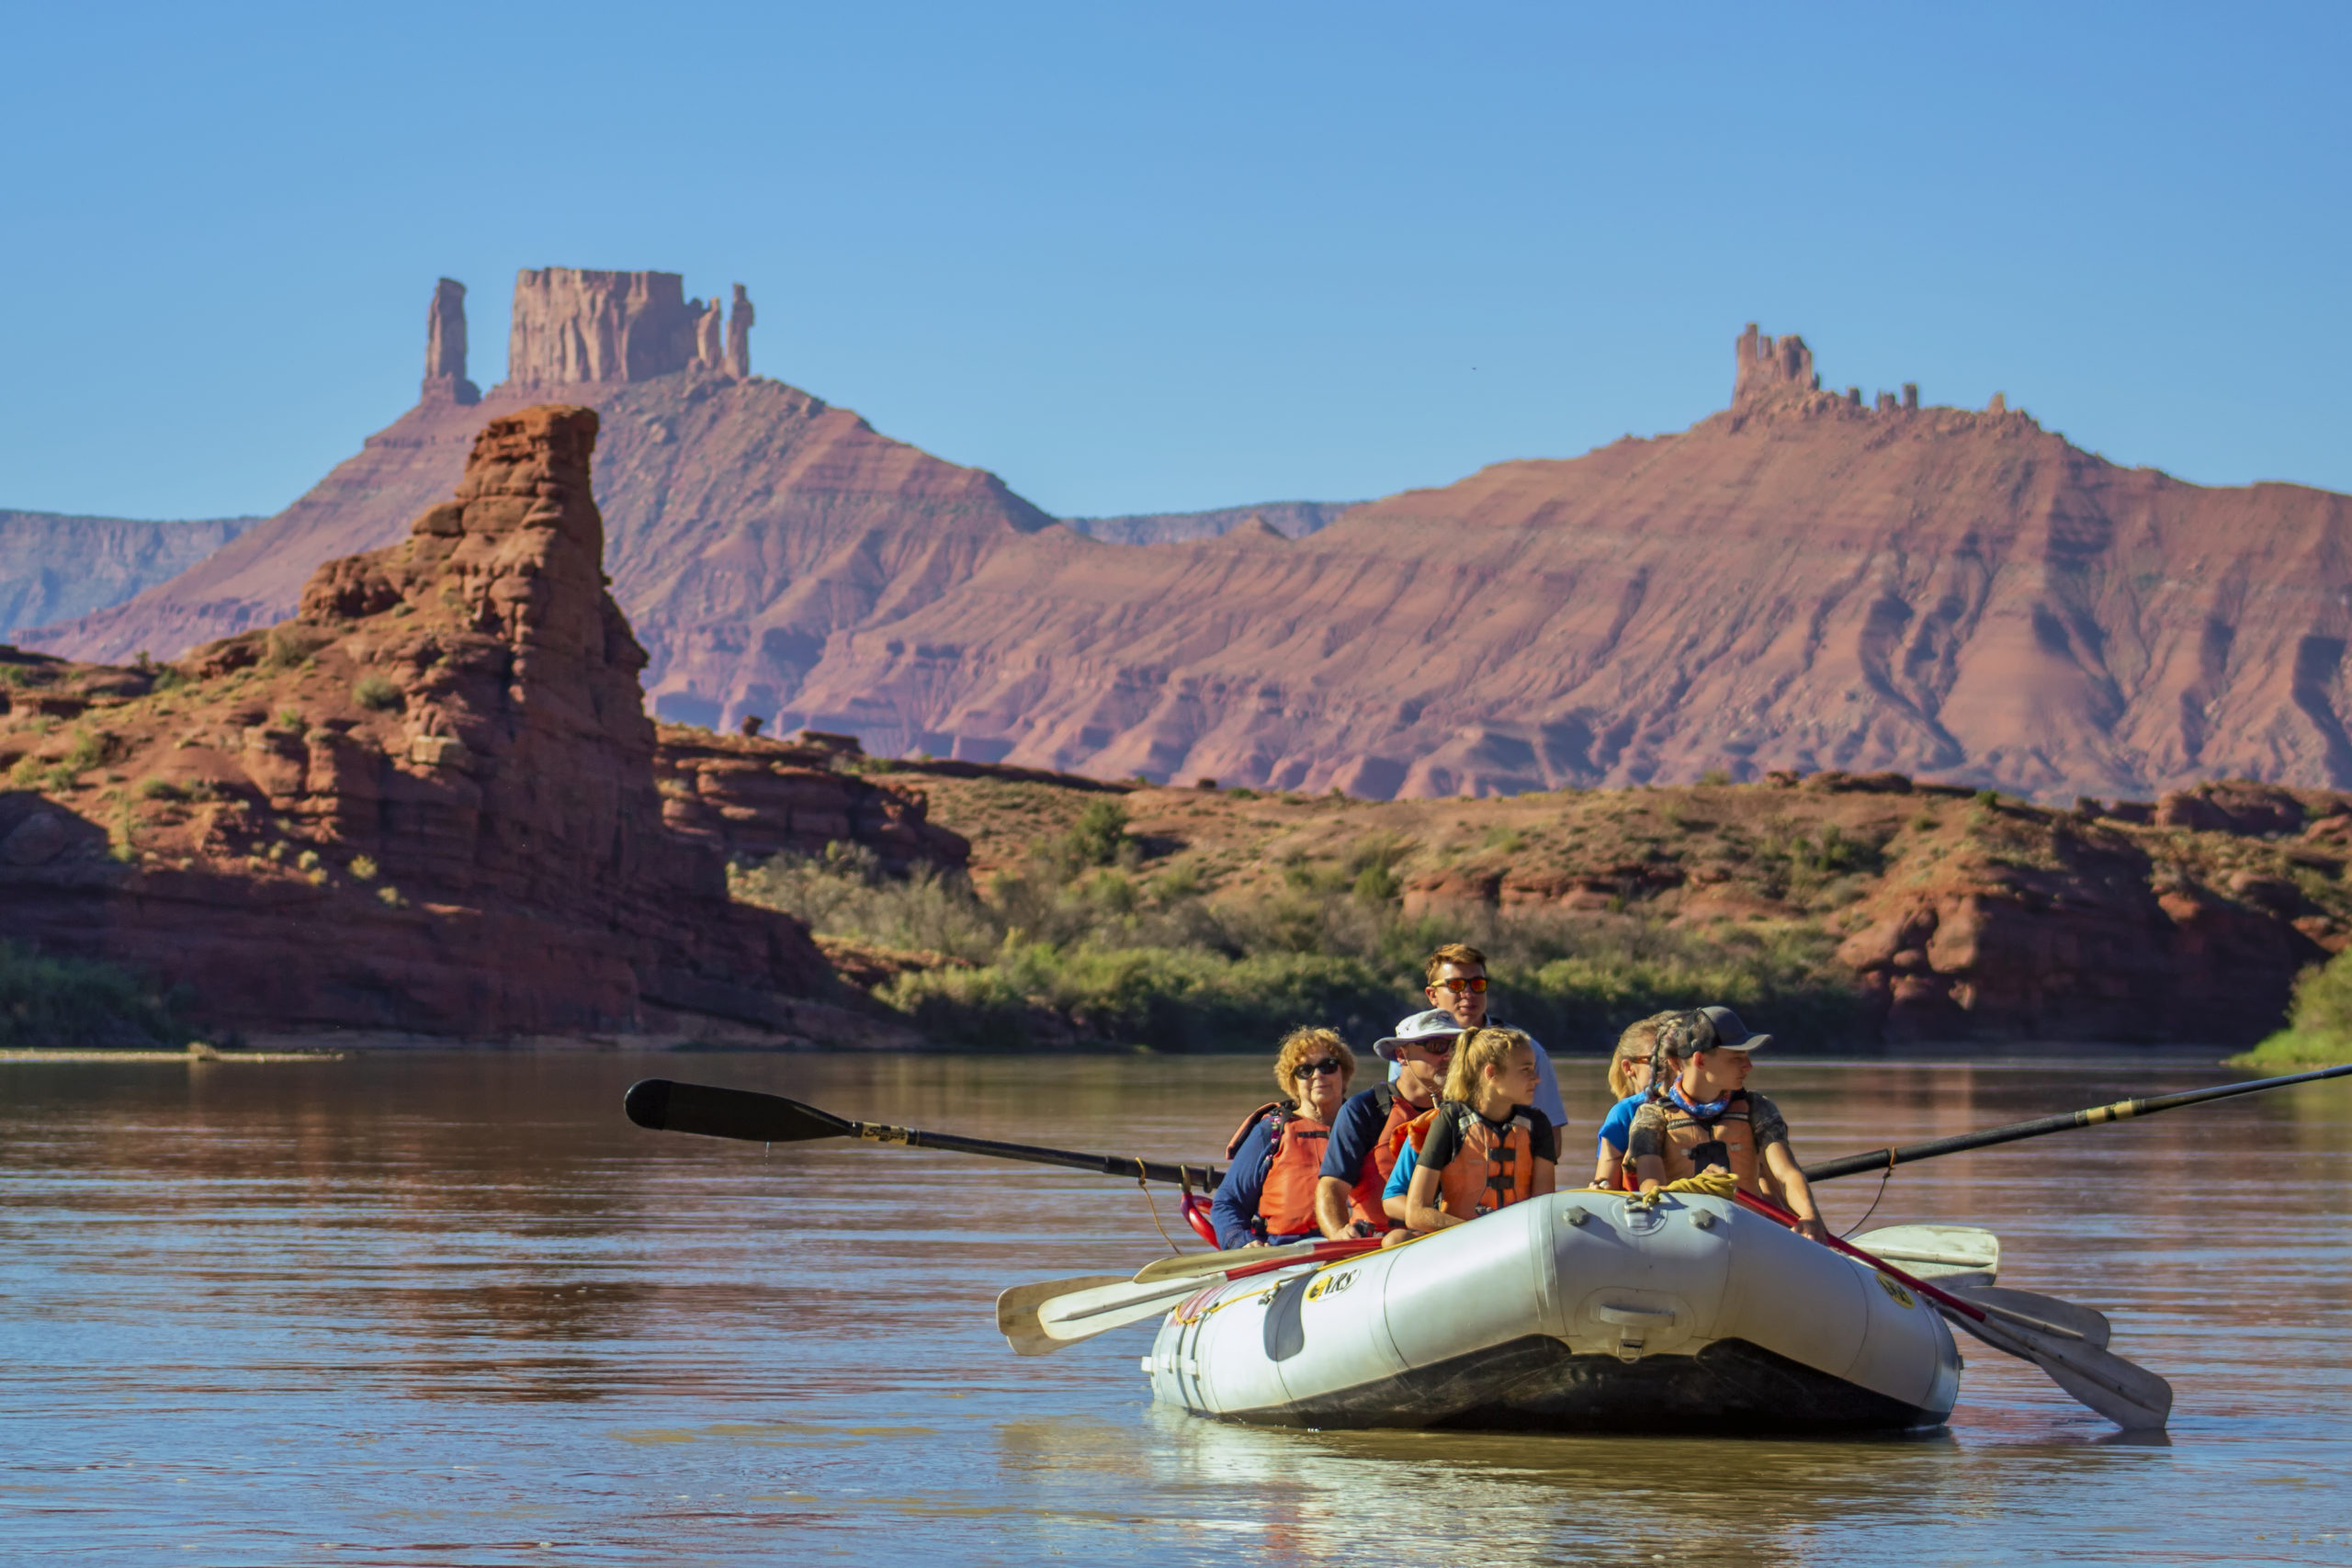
[[1331, 1251], [1771, 1211]]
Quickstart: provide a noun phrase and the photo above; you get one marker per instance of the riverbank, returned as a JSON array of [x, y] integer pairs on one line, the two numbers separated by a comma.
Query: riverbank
[[1843, 911]]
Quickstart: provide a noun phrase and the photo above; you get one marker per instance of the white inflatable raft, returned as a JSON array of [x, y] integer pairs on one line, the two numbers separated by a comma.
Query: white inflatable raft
[[1579, 1311]]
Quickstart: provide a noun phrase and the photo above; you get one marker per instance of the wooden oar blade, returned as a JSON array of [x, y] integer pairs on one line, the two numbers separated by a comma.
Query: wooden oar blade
[[1016, 1311], [666, 1106]]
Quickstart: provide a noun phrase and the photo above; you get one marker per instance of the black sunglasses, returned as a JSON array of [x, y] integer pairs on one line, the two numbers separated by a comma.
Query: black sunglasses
[[1326, 1065]]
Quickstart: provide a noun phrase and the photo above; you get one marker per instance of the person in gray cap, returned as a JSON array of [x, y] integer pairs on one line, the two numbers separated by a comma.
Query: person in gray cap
[[1704, 1118], [1369, 1132]]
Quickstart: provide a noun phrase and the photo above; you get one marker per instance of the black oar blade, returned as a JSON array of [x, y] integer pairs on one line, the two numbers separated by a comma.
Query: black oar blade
[[670, 1107]]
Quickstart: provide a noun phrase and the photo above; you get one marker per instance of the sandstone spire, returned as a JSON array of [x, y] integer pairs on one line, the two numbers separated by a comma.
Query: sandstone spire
[[1768, 368], [710, 336], [445, 346], [572, 326], [739, 335]]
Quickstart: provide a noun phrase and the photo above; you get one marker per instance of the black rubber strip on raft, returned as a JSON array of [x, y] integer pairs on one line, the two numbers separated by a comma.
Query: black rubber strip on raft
[[1536, 1385], [1285, 1328]]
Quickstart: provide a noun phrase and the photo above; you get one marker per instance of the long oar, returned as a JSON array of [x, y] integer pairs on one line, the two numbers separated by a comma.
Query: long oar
[[1040, 1318], [713, 1113], [2131, 1397], [2121, 1111]]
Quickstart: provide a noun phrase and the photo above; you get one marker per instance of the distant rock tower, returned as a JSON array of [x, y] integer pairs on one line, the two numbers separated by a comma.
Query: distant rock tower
[[739, 335], [573, 326], [710, 336], [445, 346], [1768, 368]]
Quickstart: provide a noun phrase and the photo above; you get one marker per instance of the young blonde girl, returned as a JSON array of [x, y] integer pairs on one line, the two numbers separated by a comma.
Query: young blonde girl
[[1485, 1148]]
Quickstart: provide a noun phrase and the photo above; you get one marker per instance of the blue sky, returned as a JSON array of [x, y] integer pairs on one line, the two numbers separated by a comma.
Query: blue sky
[[1141, 258]]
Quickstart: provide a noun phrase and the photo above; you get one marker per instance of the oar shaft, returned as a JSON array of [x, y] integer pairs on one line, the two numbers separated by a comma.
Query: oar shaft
[[1200, 1175], [2040, 1126]]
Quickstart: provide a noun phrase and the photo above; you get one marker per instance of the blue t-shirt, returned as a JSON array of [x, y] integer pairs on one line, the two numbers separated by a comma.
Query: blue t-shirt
[[1547, 1082], [1402, 1177], [1234, 1209], [1353, 1132], [1618, 1125]]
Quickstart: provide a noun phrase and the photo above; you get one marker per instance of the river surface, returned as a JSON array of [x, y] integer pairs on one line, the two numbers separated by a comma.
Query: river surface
[[439, 1309]]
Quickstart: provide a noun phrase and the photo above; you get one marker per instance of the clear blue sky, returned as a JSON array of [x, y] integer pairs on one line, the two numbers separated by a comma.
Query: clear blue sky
[[1146, 257]]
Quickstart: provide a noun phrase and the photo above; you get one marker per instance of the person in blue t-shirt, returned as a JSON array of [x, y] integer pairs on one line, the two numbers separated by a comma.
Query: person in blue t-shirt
[[1457, 983], [1629, 1080]]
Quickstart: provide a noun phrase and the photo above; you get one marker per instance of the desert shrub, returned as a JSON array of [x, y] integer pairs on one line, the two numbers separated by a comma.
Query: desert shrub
[[160, 789], [2319, 1021], [376, 694], [79, 1004], [845, 893], [364, 868], [1170, 999]]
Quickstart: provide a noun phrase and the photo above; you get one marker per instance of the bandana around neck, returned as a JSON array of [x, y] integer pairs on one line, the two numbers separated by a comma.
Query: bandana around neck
[[1704, 1110]]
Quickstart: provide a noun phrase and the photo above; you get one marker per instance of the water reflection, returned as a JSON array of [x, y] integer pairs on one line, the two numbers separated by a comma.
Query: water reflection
[[443, 1308]]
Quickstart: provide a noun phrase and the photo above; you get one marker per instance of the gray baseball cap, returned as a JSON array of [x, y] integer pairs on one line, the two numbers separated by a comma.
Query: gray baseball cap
[[1421, 1028], [1730, 1033]]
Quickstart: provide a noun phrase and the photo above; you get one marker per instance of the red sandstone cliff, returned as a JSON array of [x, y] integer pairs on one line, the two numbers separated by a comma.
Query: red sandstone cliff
[[1801, 582], [1805, 581], [428, 803], [748, 522]]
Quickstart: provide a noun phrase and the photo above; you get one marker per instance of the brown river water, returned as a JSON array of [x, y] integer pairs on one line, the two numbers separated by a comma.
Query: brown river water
[[442, 1308]]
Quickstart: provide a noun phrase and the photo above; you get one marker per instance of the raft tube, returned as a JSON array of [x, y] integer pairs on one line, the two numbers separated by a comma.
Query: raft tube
[[1574, 1312]]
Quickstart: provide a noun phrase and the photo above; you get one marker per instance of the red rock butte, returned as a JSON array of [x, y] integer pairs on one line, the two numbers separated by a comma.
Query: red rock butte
[[429, 802], [1806, 580]]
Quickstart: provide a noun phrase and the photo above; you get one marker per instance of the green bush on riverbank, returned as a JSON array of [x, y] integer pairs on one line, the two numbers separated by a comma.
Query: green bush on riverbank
[[2319, 1022], [1083, 946], [75, 1004]]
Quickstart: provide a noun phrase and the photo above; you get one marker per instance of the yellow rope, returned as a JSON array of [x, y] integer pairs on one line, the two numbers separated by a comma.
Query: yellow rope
[[1153, 1210]]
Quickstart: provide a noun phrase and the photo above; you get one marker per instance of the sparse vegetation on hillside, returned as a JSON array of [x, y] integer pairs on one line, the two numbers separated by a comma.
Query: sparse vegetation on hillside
[[1093, 940]]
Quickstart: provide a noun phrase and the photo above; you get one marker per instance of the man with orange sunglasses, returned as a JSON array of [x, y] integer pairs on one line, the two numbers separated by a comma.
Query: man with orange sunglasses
[[1457, 983]]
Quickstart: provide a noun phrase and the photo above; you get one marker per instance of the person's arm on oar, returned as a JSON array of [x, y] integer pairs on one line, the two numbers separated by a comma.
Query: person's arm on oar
[[1781, 1174]]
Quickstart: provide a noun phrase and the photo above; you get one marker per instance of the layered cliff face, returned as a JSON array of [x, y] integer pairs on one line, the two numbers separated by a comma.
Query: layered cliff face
[[1804, 581], [428, 803], [1808, 579], [52, 566]]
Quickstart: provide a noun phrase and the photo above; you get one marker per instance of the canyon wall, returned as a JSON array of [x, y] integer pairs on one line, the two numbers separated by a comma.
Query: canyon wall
[[428, 803], [1807, 579]]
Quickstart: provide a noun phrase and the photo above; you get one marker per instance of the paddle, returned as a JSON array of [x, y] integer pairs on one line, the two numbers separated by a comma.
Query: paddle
[[1039, 1318], [666, 1105], [1954, 1255], [2121, 1111], [2131, 1397]]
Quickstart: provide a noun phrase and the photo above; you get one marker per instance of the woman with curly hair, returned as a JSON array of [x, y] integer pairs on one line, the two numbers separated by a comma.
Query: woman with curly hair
[[1267, 1194]]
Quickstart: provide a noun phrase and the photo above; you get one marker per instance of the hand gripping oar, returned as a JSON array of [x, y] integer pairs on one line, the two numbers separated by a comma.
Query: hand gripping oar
[[1040, 1318], [2131, 1397], [772, 1119], [2121, 1111]]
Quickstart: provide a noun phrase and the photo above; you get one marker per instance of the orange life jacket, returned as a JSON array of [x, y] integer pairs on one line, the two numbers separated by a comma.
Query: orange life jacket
[[1287, 1202], [1490, 1170], [1732, 1129], [1380, 1162]]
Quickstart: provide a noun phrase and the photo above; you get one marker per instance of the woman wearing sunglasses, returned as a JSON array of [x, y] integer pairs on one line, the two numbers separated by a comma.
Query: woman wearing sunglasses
[[1267, 1194]]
